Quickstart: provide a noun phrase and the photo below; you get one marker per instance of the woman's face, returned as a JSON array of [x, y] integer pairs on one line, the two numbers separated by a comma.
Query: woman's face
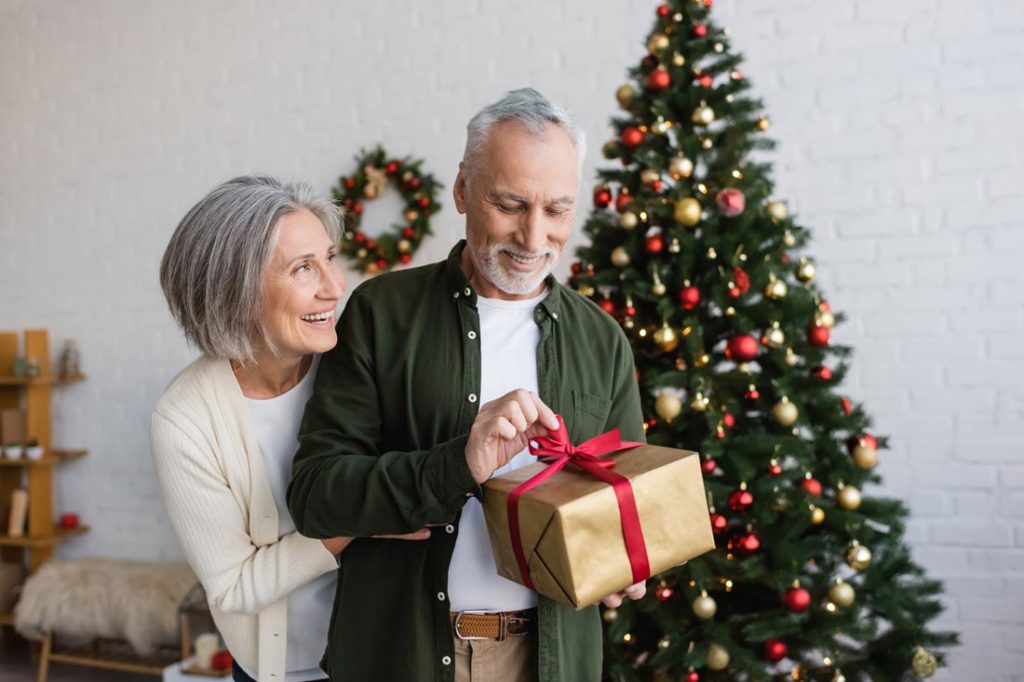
[[301, 288]]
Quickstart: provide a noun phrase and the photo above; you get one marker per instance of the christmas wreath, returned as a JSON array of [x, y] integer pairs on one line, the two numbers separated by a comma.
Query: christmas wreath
[[375, 171]]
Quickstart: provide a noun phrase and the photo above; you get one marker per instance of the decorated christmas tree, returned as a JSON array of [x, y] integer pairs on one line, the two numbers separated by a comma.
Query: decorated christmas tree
[[705, 270]]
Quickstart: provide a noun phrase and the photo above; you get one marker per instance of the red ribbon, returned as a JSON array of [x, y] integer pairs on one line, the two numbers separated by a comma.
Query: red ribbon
[[558, 451]]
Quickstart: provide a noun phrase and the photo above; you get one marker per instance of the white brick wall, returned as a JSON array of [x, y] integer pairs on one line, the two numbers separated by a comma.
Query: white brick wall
[[900, 146]]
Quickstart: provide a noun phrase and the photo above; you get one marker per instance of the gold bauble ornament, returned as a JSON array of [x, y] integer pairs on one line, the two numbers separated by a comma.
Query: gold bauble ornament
[[625, 95], [704, 606], [678, 60], [791, 359], [657, 286], [763, 123], [848, 497], [628, 220], [838, 677], [858, 557], [703, 115], [673, 246], [658, 42], [718, 657], [404, 245], [785, 412], [774, 337], [805, 271], [700, 402], [825, 319], [609, 615], [789, 239], [864, 456], [649, 176], [687, 212], [776, 290], [372, 268], [817, 515], [680, 166], [666, 337], [611, 150], [620, 257], [661, 126], [668, 406], [841, 594], [585, 290], [370, 191], [924, 663], [411, 216], [777, 210], [361, 253]]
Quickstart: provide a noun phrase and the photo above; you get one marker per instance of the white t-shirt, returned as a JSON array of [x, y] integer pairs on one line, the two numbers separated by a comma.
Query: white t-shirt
[[275, 422], [508, 360]]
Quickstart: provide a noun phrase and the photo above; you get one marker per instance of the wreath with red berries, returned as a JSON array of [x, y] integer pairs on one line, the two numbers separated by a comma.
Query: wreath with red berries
[[375, 171]]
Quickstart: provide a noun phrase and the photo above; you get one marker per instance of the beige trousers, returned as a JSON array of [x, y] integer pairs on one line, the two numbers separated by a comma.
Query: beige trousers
[[487, 660]]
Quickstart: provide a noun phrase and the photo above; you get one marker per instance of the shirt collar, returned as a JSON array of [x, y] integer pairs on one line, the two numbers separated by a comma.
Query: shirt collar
[[460, 290]]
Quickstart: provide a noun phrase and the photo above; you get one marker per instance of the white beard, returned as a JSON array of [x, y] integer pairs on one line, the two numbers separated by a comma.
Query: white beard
[[511, 281]]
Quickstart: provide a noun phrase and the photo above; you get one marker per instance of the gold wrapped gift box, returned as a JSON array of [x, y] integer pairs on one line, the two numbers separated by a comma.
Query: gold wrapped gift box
[[570, 525]]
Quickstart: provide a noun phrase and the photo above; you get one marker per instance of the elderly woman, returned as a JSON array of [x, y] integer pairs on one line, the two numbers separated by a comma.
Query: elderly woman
[[250, 275]]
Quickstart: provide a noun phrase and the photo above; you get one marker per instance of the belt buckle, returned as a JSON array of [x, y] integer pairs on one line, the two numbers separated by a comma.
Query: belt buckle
[[458, 617]]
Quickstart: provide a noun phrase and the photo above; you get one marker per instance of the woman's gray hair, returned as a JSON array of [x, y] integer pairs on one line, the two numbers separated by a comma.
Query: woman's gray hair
[[212, 270], [530, 108]]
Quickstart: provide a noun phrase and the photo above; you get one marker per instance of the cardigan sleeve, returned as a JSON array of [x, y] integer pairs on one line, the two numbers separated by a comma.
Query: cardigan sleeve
[[212, 528]]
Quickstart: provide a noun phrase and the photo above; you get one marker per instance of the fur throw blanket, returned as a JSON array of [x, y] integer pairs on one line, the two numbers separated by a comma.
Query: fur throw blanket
[[102, 598]]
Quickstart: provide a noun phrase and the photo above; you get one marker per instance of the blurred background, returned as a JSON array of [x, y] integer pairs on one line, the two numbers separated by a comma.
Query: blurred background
[[900, 148]]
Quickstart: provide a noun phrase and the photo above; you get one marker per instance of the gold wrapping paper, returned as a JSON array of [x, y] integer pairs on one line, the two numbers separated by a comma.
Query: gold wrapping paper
[[570, 525]]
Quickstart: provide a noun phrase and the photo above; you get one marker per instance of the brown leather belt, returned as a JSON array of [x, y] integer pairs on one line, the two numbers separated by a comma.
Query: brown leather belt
[[496, 626]]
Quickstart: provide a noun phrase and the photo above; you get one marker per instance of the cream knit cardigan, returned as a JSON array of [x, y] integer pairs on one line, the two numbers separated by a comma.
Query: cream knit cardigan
[[218, 497]]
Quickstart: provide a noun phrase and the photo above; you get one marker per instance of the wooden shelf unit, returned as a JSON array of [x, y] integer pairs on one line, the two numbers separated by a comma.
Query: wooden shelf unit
[[33, 395]]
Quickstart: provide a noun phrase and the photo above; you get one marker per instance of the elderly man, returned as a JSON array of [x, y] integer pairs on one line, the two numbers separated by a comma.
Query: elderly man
[[441, 376]]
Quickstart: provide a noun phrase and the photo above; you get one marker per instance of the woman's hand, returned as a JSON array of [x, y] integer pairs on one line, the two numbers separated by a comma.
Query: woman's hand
[[336, 545]]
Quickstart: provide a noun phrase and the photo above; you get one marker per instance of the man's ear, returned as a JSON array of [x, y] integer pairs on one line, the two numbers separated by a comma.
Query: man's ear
[[459, 189]]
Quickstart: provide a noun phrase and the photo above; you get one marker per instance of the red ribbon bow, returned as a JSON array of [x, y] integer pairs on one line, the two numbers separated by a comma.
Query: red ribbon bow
[[558, 451]]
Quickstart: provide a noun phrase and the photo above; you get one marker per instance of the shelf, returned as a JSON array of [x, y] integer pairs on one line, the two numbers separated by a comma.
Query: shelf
[[11, 380], [55, 457], [42, 541]]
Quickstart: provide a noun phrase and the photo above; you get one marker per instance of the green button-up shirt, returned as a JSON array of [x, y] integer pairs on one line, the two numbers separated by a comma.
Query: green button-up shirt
[[382, 451]]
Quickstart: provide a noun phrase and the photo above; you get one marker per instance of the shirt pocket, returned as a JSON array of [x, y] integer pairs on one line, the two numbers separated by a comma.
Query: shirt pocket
[[588, 417]]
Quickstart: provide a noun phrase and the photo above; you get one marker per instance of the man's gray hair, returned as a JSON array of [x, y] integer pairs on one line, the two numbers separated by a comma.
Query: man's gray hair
[[531, 109], [212, 270]]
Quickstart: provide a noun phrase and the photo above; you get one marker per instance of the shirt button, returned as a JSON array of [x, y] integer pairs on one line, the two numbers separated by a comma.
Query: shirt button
[[554, 315], [467, 291], [472, 397], [471, 335], [450, 528], [446, 660], [469, 494], [455, 295], [440, 596]]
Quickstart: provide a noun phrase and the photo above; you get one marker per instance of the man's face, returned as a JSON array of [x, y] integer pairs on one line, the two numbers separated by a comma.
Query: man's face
[[520, 202]]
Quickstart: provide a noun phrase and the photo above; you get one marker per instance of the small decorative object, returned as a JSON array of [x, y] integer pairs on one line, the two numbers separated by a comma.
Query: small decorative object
[[19, 513], [924, 663], [12, 450], [70, 359], [32, 367], [69, 520], [731, 202], [34, 451], [375, 170], [221, 660], [20, 367], [206, 646]]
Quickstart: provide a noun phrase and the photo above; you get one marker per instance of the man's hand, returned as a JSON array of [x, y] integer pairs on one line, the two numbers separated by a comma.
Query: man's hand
[[634, 592], [336, 545], [502, 428]]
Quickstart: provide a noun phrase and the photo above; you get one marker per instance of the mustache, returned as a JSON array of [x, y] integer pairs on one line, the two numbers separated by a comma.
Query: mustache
[[523, 253]]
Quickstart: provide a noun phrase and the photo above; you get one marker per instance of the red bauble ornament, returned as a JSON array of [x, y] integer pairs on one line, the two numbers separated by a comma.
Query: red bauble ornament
[[413, 183], [729, 420], [631, 137], [358, 208], [824, 307], [741, 348], [663, 593], [708, 466], [576, 268], [741, 500], [689, 296], [811, 486], [745, 544], [847, 406], [822, 372], [629, 310], [692, 676], [705, 80], [350, 183], [392, 167], [796, 599], [602, 197], [775, 650], [408, 233], [659, 79], [623, 201], [774, 469], [752, 394], [664, 11], [700, 31], [708, 3], [719, 524], [359, 238], [425, 203], [741, 283], [817, 336], [382, 264], [405, 258], [607, 305], [654, 244], [869, 441]]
